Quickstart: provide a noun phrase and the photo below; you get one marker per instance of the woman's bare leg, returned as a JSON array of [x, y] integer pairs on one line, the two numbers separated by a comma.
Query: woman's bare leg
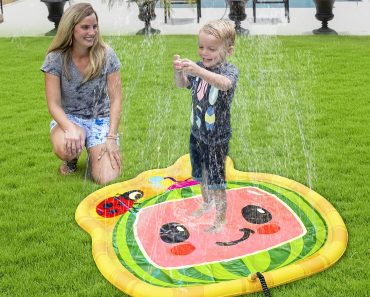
[[59, 144], [102, 171]]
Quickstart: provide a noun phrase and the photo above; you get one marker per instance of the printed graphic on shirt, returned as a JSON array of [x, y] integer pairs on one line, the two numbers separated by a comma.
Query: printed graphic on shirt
[[202, 89], [198, 116], [213, 95], [210, 118], [208, 113]]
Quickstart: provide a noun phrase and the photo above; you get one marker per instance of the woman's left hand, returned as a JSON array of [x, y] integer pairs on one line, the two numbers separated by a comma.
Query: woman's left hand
[[114, 154]]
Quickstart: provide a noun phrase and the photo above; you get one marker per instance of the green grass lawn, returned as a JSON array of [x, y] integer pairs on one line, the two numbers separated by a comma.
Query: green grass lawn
[[301, 110]]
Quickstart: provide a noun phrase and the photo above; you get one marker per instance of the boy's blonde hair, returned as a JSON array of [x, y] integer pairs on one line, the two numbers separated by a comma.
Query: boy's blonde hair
[[221, 29], [64, 38]]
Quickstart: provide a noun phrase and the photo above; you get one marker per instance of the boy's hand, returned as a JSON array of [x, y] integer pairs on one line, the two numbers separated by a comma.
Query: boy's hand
[[190, 67], [180, 78], [177, 63]]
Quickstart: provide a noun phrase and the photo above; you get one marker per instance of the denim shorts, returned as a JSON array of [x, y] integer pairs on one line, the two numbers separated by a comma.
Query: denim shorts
[[96, 129], [208, 163]]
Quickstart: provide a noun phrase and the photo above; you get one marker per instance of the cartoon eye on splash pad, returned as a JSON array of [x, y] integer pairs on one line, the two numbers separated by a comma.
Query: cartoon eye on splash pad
[[146, 243]]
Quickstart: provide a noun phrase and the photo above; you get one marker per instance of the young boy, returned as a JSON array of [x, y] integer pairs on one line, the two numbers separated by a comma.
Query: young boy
[[212, 81]]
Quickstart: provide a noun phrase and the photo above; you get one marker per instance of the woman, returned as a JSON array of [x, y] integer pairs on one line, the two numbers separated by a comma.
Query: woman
[[83, 92]]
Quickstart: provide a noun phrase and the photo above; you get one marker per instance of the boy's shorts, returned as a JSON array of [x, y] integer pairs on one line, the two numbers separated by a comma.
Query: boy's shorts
[[209, 159], [96, 129]]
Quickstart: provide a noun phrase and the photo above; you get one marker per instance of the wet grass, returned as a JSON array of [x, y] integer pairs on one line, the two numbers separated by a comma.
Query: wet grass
[[301, 110]]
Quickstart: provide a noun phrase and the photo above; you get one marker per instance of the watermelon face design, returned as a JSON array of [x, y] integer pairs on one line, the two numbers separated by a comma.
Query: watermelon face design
[[263, 232], [146, 242], [256, 221]]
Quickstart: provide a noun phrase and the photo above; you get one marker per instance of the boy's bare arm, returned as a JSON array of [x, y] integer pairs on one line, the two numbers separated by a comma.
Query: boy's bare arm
[[180, 78], [217, 80]]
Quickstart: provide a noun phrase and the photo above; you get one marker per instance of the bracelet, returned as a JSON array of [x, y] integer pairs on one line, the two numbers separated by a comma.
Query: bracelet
[[110, 136]]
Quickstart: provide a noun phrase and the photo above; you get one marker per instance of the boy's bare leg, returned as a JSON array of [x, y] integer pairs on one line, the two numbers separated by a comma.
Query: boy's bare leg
[[207, 203], [219, 197]]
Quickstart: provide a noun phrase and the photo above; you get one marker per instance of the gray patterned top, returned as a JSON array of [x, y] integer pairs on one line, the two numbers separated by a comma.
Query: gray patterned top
[[85, 100]]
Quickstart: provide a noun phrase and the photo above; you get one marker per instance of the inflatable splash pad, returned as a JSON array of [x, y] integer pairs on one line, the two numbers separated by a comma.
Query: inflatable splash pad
[[146, 242]]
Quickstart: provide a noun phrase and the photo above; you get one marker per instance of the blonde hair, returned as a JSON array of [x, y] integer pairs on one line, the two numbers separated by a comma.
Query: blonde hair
[[64, 38], [221, 29]]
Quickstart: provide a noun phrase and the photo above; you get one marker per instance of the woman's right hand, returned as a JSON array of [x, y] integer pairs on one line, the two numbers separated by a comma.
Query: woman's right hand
[[74, 140]]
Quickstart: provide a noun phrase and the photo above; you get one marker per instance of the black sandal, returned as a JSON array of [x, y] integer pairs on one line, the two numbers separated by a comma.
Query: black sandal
[[68, 167]]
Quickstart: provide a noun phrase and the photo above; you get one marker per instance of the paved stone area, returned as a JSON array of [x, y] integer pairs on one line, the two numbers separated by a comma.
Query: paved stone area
[[29, 18]]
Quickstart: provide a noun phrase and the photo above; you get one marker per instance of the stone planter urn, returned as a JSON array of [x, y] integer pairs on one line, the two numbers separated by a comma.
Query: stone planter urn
[[237, 14], [324, 13], [56, 9], [147, 14]]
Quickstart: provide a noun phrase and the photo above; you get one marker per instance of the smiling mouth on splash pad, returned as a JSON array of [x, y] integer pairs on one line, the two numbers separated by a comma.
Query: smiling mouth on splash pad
[[146, 243]]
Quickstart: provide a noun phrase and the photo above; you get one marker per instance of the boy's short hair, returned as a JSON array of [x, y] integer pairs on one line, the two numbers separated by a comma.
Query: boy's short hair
[[222, 30]]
